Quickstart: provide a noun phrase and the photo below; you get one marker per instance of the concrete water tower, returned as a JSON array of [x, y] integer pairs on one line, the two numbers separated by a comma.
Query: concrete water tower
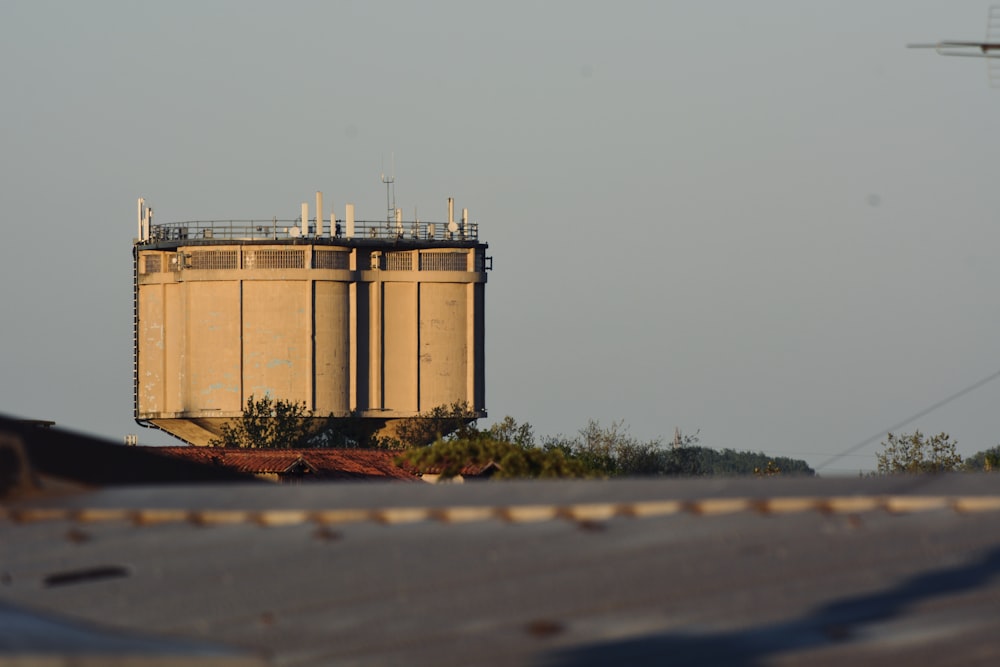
[[374, 320]]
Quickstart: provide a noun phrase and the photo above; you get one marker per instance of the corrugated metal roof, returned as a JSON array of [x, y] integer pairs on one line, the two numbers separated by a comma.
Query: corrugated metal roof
[[861, 571], [707, 571]]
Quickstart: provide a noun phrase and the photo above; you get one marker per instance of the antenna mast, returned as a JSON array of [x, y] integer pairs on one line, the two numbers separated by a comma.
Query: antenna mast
[[390, 191], [989, 50]]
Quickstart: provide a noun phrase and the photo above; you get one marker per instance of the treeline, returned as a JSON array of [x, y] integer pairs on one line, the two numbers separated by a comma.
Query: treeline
[[916, 453], [595, 451], [448, 440]]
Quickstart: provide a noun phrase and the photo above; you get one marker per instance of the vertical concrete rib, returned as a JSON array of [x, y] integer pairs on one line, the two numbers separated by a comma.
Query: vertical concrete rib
[[311, 345], [480, 290], [167, 344], [470, 345], [186, 349], [352, 332], [243, 380], [416, 356], [375, 351], [135, 327], [310, 329]]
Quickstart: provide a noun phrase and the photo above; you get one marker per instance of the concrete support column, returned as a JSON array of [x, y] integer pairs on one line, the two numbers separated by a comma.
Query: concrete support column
[[376, 350], [352, 355], [470, 343], [310, 343], [352, 329]]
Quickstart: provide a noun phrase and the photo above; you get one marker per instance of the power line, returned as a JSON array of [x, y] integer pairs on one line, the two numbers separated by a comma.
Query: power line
[[918, 415]]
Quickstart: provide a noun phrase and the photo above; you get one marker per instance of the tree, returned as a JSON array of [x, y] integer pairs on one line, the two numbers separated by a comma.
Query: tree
[[273, 424], [508, 444], [512, 460], [436, 424], [511, 446], [610, 451], [984, 461], [690, 461], [351, 432], [769, 470], [915, 453], [508, 430]]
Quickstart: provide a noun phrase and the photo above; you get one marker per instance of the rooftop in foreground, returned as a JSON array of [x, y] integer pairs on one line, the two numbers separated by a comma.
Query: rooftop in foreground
[[874, 571]]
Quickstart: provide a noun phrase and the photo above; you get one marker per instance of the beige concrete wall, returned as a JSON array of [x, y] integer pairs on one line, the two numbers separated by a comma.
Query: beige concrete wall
[[384, 342], [277, 330], [213, 346], [399, 346], [152, 346], [443, 344], [175, 348]]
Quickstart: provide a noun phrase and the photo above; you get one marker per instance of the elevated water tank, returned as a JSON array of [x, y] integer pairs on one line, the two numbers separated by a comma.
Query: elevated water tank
[[383, 323]]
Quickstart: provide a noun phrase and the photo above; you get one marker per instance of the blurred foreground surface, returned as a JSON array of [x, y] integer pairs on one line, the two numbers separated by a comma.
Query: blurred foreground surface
[[765, 571]]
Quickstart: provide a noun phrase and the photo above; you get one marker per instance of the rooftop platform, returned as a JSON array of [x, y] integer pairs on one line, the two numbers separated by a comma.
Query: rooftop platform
[[210, 232]]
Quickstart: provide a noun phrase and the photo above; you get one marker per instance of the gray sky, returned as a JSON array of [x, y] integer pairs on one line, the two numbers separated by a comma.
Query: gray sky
[[765, 220]]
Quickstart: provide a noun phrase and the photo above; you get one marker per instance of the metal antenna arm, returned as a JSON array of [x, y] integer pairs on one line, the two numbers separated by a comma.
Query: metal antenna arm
[[964, 49]]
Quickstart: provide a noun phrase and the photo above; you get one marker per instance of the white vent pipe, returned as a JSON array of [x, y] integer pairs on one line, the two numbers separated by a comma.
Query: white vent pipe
[[319, 213]]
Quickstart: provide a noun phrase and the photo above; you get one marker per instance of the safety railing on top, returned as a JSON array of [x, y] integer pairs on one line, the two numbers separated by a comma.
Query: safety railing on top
[[274, 229]]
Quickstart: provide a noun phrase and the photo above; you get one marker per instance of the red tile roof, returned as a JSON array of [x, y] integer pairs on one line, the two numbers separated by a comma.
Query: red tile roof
[[324, 463]]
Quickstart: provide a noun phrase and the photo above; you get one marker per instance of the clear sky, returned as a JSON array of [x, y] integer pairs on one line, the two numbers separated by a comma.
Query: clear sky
[[766, 221]]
